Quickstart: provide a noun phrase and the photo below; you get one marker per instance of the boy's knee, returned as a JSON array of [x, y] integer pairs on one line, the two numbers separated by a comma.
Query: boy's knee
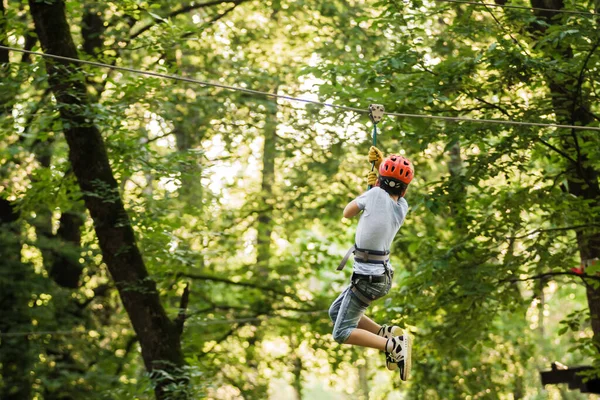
[[333, 312], [341, 336]]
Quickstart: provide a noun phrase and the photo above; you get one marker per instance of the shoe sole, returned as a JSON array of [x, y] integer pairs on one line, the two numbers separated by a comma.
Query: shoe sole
[[396, 331], [390, 365], [407, 343]]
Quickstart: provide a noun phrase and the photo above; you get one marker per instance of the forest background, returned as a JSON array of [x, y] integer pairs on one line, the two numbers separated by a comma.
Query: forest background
[[169, 240]]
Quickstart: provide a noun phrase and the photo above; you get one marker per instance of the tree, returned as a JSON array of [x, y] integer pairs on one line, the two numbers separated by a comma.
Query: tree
[[159, 336], [242, 195], [477, 232], [571, 95]]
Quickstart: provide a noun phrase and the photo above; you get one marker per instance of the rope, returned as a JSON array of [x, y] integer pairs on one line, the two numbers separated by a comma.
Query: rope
[[374, 144], [290, 98], [476, 3]]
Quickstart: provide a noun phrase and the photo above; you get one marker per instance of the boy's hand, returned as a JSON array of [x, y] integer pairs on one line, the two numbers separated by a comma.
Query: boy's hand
[[375, 155], [372, 178]]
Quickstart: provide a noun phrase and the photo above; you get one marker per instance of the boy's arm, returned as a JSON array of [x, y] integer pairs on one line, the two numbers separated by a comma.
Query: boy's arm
[[375, 155], [351, 209]]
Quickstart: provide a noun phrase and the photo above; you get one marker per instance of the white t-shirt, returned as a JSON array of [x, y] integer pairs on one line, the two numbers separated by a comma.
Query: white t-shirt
[[381, 219]]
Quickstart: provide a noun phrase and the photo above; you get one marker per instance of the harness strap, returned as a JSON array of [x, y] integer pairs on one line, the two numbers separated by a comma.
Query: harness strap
[[346, 257], [374, 252], [389, 274], [366, 256], [360, 296]]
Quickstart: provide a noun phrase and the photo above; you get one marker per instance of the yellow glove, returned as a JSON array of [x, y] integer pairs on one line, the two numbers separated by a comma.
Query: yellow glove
[[372, 178], [375, 155]]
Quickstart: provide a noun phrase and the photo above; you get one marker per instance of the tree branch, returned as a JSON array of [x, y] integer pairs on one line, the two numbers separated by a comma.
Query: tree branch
[[549, 274], [177, 12], [30, 41], [216, 307], [130, 342], [252, 285], [32, 114], [218, 341], [469, 94], [183, 304], [215, 18], [183, 10], [562, 153], [578, 94], [159, 137], [590, 113], [579, 91], [99, 291], [563, 228]]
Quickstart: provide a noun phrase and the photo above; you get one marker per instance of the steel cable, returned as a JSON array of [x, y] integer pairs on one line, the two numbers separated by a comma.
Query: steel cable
[[297, 99]]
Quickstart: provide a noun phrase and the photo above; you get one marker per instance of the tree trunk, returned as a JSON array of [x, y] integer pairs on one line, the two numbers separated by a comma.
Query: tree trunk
[[457, 188], [3, 33], [159, 336], [3, 30], [297, 371], [92, 29], [363, 380], [519, 390], [6, 98], [61, 252], [541, 285], [265, 218], [570, 107], [188, 137]]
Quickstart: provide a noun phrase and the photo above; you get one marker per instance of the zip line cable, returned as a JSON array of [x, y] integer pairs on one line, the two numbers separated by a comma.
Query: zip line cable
[[290, 98], [476, 3]]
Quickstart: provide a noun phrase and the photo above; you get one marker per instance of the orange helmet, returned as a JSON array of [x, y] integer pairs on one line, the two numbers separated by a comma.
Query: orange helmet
[[397, 168]]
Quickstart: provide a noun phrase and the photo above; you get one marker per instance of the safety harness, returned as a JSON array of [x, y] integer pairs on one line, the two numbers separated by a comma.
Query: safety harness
[[371, 257], [365, 256]]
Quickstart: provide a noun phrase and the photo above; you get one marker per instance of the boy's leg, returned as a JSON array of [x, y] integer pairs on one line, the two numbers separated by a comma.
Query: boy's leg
[[368, 324], [398, 349], [361, 337], [334, 309], [345, 312], [386, 331]]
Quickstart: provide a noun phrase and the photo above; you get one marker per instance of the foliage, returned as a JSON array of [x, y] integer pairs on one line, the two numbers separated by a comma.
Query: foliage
[[483, 262]]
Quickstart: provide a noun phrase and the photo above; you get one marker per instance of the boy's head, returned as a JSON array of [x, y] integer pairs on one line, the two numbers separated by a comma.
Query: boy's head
[[395, 173]]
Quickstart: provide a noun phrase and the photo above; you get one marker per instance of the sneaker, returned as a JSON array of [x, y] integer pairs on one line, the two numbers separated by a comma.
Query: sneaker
[[399, 356], [389, 332]]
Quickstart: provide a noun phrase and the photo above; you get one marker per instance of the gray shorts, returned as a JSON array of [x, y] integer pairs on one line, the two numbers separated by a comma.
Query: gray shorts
[[347, 309]]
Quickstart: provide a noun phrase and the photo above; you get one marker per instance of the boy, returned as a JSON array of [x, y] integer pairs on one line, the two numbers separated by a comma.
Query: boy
[[384, 209]]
